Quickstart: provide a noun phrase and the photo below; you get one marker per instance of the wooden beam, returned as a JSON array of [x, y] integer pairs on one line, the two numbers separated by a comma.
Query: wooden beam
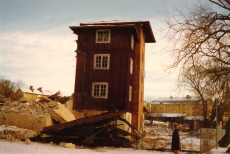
[[102, 116]]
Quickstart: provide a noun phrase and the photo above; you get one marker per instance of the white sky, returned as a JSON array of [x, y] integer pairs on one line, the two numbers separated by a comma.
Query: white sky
[[37, 46]]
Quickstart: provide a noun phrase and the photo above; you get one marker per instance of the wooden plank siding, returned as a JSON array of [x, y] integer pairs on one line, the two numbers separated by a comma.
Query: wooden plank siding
[[117, 75]]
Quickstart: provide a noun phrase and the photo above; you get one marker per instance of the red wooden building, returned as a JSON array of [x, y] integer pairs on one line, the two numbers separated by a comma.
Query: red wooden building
[[110, 67]]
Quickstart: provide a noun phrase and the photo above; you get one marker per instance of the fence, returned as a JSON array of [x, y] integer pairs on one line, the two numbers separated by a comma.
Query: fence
[[158, 136], [208, 138]]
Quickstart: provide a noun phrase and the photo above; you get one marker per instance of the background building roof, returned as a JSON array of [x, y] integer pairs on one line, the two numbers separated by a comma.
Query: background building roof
[[35, 91]]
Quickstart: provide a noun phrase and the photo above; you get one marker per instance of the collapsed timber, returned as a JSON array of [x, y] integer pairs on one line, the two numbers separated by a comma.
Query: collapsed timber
[[98, 130]]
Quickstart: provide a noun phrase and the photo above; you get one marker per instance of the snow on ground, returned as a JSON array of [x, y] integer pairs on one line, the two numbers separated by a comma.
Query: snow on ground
[[157, 136], [45, 148], [219, 150]]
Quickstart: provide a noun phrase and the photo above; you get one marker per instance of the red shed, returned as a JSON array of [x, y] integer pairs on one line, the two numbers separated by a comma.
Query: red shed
[[110, 67]]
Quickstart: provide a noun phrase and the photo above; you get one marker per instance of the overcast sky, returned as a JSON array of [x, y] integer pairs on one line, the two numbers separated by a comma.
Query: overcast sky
[[37, 46]]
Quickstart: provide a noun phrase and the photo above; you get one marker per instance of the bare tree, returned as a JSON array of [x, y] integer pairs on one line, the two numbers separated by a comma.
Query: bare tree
[[195, 80], [201, 48], [225, 4], [19, 84], [8, 88]]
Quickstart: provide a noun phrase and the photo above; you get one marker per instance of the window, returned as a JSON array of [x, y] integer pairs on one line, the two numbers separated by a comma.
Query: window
[[99, 89], [103, 36], [101, 61], [132, 41], [130, 93], [131, 65]]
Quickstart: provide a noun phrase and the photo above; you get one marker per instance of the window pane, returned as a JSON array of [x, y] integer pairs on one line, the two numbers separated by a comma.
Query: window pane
[[98, 61], [103, 90], [96, 90], [104, 61], [100, 36], [106, 35]]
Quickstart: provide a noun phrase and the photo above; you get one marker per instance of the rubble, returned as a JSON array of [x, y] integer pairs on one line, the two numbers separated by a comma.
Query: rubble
[[62, 114], [14, 134], [53, 122], [98, 130], [34, 115], [57, 97]]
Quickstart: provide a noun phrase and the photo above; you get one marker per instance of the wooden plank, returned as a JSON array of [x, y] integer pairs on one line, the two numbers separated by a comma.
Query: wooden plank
[[122, 131], [84, 120], [132, 127]]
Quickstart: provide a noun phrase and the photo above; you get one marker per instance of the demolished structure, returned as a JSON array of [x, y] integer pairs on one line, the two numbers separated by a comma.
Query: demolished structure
[[110, 68]]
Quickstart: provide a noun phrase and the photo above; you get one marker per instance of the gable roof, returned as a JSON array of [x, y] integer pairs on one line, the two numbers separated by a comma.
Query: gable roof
[[36, 92]]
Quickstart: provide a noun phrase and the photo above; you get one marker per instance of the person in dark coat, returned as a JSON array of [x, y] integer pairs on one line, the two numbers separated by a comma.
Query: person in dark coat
[[176, 140]]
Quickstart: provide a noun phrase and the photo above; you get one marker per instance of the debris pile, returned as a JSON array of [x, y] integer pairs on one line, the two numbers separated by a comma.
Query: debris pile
[[57, 97], [36, 109], [14, 134], [34, 115], [98, 130]]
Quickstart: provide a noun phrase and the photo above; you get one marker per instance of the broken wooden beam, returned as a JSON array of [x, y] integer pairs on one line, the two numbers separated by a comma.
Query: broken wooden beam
[[83, 120]]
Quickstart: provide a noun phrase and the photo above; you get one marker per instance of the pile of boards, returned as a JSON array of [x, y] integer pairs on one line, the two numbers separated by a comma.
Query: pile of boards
[[98, 130]]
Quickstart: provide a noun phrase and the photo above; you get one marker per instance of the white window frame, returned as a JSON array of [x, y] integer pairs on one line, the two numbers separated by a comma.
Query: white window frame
[[102, 88], [99, 63], [103, 37]]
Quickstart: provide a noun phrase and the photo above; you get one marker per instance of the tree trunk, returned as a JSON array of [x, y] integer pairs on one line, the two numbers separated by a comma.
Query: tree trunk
[[225, 141]]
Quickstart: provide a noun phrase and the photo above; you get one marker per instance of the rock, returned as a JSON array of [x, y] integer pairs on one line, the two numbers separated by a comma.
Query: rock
[[70, 145], [67, 145], [62, 114], [12, 133], [28, 141]]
